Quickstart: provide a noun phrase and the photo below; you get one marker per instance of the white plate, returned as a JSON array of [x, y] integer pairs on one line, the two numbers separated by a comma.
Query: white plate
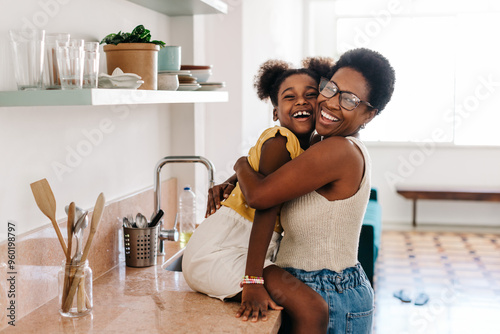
[[187, 87], [182, 72], [223, 84], [212, 85]]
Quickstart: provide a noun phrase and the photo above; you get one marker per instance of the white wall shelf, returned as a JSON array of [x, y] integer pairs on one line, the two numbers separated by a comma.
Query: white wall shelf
[[184, 7], [101, 97]]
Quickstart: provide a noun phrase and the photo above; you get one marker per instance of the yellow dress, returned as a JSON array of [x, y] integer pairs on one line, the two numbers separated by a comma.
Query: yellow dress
[[236, 200]]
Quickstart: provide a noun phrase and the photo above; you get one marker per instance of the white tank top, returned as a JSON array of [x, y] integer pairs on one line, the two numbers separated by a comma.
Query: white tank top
[[324, 234]]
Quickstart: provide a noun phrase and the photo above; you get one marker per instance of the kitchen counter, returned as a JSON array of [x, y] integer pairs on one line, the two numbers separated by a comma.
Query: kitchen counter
[[145, 300]]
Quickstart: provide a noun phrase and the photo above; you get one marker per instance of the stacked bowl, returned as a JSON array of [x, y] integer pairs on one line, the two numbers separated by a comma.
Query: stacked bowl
[[202, 73]]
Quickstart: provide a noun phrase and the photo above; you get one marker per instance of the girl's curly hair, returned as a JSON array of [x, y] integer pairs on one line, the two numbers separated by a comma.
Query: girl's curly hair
[[273, 72]]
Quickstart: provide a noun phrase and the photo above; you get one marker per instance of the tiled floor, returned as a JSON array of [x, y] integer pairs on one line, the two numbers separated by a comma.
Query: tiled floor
[[459, 271]]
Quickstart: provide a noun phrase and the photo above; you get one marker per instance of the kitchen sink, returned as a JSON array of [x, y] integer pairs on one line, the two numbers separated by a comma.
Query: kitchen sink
[[175, 262]]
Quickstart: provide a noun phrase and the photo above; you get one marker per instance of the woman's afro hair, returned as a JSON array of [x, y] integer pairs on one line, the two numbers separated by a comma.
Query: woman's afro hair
[[377, 71]]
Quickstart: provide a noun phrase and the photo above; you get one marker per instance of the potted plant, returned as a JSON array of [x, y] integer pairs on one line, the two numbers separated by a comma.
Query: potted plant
[[134, 53]]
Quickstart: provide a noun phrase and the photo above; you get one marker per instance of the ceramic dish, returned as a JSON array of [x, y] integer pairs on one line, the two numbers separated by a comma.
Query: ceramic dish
[[187, 87], [196, 67], [118, 79], [201, 75], [212, 85], [187, 80], [181, 72], [167, 81], [109, 83]]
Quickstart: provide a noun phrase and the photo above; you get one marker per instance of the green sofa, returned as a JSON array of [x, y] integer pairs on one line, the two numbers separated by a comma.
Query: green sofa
[[369, 239]]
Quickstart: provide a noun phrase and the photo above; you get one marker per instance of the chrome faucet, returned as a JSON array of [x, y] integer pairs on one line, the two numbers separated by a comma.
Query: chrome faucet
[[173, 234]]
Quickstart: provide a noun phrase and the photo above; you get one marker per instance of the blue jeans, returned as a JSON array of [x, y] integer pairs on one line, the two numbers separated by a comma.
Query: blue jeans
[[349, 296]]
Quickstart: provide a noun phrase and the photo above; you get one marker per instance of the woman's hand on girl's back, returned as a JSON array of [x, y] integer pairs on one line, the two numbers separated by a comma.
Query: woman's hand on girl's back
[[255, 301], [216, 195]]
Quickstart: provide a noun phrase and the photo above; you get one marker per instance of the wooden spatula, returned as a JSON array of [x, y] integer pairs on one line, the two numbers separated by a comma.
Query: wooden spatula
[[45, 200], [96, 218]]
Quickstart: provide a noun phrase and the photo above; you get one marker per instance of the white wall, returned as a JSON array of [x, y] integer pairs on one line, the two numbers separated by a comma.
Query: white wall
[[224, 49], [237, 43], [271, 30], [33, 139]]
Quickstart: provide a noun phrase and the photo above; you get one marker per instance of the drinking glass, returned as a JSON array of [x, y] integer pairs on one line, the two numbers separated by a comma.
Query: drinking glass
[[51, 78], [91, 64], [70, 57], [28, 53]]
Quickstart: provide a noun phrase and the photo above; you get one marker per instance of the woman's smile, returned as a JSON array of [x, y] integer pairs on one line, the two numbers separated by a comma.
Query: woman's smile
[[327, 117]]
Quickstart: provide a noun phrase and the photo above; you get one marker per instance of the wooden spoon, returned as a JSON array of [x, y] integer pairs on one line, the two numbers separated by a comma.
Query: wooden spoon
[[71, 222], [45, 200], [96, 217], [71, 218]]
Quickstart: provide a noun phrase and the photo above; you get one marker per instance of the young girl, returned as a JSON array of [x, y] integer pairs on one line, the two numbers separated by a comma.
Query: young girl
[[215, 258]]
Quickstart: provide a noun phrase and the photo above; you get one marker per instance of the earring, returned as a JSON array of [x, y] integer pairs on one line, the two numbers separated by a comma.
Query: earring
[[363, 125]]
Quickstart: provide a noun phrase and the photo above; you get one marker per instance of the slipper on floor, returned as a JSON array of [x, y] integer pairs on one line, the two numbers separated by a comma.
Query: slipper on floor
[[402, 295], [421, 299]]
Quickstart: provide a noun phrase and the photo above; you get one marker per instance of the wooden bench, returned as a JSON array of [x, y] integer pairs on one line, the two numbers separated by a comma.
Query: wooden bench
[[455, 195]]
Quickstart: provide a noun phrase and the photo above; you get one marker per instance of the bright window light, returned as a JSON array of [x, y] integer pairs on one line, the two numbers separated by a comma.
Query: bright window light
[[445, 56]]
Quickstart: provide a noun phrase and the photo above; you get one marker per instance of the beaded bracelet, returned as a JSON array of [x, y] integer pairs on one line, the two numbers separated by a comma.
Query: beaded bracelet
[[251, 280]]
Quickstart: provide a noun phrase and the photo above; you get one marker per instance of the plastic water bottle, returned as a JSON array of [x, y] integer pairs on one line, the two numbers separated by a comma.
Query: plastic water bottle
[[186, 214]]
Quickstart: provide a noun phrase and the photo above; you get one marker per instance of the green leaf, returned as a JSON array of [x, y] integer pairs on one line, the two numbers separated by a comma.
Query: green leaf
[[138, 35], [108, 39], [160, 43], [138, 30]]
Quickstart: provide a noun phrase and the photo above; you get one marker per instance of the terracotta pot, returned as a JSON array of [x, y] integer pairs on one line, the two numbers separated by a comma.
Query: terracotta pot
[[138, 58]]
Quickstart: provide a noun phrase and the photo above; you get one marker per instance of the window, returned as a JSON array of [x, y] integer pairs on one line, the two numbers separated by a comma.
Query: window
[[446, 57]]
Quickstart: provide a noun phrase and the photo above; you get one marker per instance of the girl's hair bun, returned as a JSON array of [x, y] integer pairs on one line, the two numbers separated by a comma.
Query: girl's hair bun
[[269, 73], [321, 66]]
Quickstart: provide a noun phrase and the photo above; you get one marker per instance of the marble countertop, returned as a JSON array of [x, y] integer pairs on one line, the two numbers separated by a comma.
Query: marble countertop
[[145, 300]]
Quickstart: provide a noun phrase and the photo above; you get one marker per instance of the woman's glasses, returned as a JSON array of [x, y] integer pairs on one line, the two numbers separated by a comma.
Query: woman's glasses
[[347, 100]]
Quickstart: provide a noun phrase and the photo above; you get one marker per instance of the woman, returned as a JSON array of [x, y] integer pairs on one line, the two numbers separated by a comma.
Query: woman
[[328, 188]]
